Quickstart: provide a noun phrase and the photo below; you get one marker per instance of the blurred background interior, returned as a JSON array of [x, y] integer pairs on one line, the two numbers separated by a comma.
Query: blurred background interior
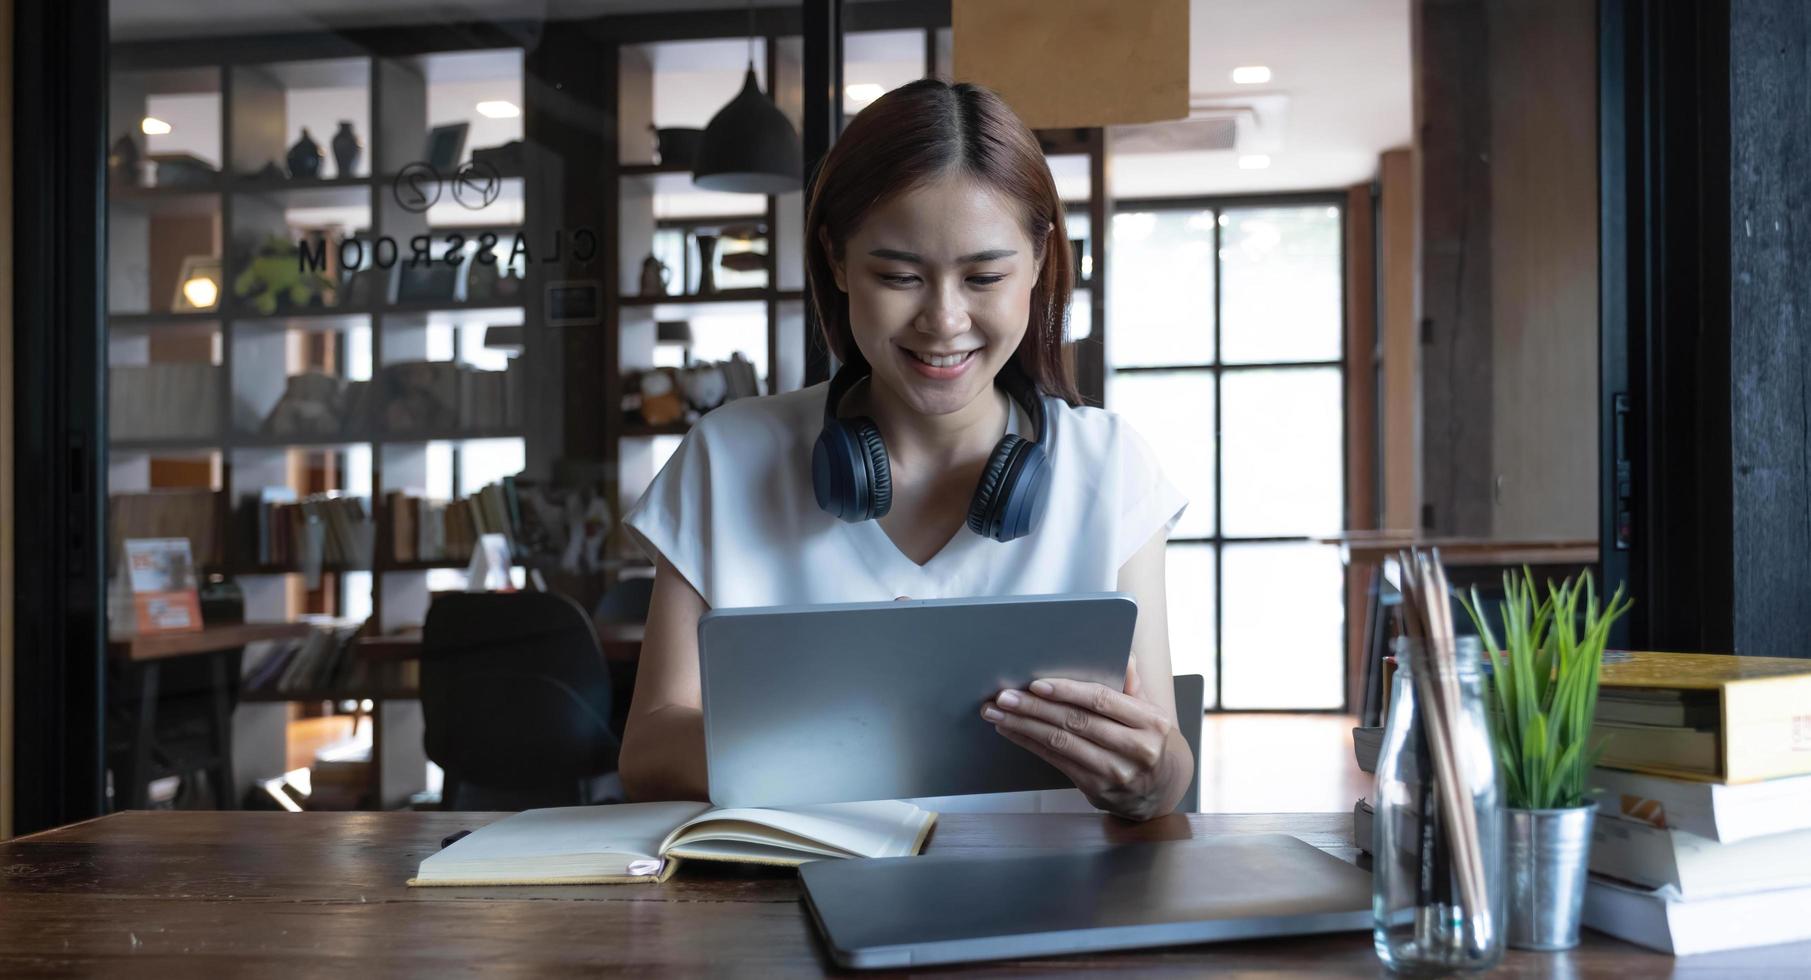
[[1351, 298]]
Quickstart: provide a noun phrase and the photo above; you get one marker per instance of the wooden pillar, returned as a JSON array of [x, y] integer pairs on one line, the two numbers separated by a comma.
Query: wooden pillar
[[1452, 126], [1399, 343]]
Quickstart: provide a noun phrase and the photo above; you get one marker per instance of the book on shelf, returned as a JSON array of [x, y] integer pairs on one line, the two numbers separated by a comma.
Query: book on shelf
[[179, 400], [440, 397], [428, 530], [1762, 722], [1661, 919], [646, 842], [1697, 867], [332, 530], [324, 659], [1716, 811]]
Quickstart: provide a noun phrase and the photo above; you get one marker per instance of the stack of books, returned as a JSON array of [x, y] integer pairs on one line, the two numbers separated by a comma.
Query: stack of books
[[1703, 833]]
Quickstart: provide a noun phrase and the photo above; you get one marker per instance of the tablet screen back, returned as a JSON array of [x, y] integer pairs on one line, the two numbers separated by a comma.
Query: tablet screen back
[[882, 700]]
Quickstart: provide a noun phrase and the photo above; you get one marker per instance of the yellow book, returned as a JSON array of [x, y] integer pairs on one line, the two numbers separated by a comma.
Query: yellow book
[[629, 842], [1763, 728]]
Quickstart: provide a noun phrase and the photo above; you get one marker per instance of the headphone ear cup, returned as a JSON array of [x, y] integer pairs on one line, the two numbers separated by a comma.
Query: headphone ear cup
[[880, 473], [983, 510]]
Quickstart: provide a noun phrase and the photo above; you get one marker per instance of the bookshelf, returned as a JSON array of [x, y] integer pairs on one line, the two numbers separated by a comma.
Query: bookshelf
[[200, 394], [681, 82]]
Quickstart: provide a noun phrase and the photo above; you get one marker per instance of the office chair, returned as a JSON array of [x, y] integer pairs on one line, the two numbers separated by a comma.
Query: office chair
[[1191, 704], [626, 602], [515, 699]]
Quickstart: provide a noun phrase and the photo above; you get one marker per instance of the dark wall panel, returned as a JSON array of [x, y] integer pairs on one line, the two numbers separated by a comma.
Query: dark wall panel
[[1770, 323]]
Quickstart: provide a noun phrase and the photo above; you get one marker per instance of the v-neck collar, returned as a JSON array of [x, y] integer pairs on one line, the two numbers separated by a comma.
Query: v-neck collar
[[942, 570]]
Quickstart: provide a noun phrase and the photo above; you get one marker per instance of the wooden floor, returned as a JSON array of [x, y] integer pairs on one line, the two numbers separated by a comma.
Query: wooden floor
[[1279, 763], [1270, 763]]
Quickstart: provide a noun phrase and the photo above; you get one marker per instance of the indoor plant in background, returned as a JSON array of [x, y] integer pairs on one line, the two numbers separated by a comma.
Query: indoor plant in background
[[1544, 678]]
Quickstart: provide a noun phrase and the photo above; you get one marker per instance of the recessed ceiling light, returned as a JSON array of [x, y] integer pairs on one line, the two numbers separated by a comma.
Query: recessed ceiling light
[[1251, 75], [862, 93], [153, 126], [1254, 161], [498, 109]]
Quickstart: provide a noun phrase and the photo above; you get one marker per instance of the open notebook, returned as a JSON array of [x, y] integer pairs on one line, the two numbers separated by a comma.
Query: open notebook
[[582, 845]]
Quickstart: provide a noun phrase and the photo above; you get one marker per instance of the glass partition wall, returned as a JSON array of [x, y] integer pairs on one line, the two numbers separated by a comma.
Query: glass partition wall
[[366, 281]]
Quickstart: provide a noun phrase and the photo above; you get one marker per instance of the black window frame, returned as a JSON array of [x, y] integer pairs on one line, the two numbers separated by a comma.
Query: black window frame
[[1218, 369]]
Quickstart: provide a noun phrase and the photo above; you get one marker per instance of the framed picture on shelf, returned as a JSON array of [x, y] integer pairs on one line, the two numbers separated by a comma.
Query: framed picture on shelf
[[445, 147], [198, 285]]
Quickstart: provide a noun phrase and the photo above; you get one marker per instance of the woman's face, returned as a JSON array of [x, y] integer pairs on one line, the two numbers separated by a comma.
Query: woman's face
[[939, 281]]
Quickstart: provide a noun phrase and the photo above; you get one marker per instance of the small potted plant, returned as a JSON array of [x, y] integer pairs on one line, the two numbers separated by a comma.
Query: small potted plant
[[1543, 697]]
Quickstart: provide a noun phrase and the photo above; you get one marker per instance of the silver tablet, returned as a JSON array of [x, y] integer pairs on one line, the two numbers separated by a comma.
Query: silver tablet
[[882, 700]]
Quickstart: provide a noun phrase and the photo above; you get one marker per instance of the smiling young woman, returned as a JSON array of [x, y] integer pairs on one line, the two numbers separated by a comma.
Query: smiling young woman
[[948, 457]]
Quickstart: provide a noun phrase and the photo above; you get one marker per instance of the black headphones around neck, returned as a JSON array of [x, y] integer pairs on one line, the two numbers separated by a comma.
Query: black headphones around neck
[[852, 480]]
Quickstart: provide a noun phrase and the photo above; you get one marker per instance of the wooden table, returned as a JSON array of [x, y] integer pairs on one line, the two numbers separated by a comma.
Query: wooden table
[[1370, 559], [322, 894], [1372, 547], [140, 657]]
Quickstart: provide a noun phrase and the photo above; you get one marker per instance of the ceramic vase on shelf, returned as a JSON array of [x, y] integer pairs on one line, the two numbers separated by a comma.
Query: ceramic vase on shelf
[[305, 158], [346, 149], [707, 263]]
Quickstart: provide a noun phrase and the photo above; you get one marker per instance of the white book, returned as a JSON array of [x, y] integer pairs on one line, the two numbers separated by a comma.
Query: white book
[[646, 841], [1660, 919], [1718, 811], [1698, 866]]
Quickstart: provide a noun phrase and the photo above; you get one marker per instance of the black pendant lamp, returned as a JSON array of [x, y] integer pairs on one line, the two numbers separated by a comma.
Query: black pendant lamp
[[749, 146]]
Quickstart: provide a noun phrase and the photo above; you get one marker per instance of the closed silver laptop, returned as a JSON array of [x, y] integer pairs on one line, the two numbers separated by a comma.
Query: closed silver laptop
[[1011, 903]]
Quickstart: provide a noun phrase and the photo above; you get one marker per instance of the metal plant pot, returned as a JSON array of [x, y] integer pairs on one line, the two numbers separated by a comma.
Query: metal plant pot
[[1545, 864]]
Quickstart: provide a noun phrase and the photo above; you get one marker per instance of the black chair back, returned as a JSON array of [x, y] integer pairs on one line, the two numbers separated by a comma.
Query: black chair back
[[515, 697]]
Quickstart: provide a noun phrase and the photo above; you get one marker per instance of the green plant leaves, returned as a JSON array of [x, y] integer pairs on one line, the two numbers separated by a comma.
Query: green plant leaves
[[1544, 681]]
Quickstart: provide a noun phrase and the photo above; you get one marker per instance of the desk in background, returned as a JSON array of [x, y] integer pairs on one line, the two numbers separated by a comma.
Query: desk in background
[[287, 894], [139, 658], [1370, 558]]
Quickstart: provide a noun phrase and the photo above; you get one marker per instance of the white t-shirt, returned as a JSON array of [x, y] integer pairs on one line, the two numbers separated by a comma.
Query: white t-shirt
[[734, 513]]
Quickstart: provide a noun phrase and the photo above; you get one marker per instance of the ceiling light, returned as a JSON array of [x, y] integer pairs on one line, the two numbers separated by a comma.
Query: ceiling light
[[153, 126], [749, 146], [1254, 161], [1251, 75], [862, 93], [498, 109]]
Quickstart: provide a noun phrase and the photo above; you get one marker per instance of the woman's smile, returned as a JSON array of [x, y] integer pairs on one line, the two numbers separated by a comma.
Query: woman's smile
[[939, 367]]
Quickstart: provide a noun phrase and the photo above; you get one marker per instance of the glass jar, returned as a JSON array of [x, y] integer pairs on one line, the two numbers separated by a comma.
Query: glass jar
[[1426, 919]]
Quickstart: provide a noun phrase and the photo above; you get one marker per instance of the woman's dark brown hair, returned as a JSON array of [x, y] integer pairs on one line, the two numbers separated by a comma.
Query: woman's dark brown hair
[[917, 133]]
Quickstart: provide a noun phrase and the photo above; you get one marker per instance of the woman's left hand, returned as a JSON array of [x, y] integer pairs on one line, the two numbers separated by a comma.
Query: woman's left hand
[[1111, 744]]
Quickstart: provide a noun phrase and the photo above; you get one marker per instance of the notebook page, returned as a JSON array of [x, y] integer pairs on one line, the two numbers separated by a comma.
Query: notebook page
[[881, 828], [543, 841]]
